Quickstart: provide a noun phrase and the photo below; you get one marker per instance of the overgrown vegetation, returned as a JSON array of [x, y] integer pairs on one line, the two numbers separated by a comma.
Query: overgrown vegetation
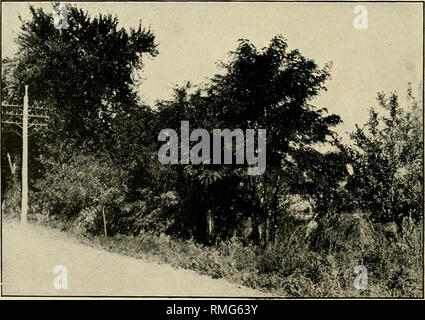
[[318, 265], [97, 162]]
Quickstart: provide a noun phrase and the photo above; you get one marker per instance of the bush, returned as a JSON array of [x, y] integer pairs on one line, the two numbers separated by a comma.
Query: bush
[[90, 220], [11, 203], [293, 268], [78, 189]]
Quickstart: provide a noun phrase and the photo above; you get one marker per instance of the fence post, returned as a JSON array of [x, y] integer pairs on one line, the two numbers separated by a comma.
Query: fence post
[[104, 221]]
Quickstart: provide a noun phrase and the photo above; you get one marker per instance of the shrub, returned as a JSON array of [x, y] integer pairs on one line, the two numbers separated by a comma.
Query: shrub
[[296, 266], [78, 190], [11, 203]]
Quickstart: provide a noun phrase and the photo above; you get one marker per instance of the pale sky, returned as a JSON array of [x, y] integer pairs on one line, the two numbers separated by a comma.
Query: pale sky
[[192, 37]]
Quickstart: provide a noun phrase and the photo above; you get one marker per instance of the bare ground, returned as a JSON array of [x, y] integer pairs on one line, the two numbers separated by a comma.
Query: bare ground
[[30, 254]]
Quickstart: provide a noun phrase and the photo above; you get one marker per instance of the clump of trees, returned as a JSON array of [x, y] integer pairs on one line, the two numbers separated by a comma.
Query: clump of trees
[[387, 161], [86, 76], [269, 89], [99, 153]]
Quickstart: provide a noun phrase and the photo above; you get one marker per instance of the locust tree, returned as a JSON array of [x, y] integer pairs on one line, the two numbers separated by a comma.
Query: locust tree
[[270, 88]]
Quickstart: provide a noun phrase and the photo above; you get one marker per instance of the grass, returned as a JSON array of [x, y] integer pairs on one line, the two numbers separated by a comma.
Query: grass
[[319, 265]]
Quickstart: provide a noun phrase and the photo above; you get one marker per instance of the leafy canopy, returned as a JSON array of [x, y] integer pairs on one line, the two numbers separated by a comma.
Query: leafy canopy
[[86, 73]]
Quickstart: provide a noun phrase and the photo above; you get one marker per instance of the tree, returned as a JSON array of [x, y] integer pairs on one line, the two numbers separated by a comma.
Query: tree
[[85, 73], [272, 89], [387, 179], [259, 89], [86, 76]]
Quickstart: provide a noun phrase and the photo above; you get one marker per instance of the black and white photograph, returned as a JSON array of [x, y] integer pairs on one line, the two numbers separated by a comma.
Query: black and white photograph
[[245, 150]]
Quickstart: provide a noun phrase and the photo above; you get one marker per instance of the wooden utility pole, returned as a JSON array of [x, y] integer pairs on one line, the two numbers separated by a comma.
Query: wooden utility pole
[[24, 199], [1, 198], [12, 117]]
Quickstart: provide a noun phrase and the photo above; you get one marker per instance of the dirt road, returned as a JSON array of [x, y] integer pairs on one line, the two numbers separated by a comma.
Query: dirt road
[[31, 253]]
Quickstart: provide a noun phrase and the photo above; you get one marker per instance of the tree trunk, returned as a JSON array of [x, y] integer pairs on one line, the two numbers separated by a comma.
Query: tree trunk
[[255, 233], [210, 226]]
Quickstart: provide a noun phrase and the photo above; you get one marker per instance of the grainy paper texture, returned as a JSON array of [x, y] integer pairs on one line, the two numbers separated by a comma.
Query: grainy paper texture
[[188, 149]]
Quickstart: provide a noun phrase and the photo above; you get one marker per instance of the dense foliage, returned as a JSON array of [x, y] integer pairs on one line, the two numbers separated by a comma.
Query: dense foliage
[[96, 165], [387, 161]]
